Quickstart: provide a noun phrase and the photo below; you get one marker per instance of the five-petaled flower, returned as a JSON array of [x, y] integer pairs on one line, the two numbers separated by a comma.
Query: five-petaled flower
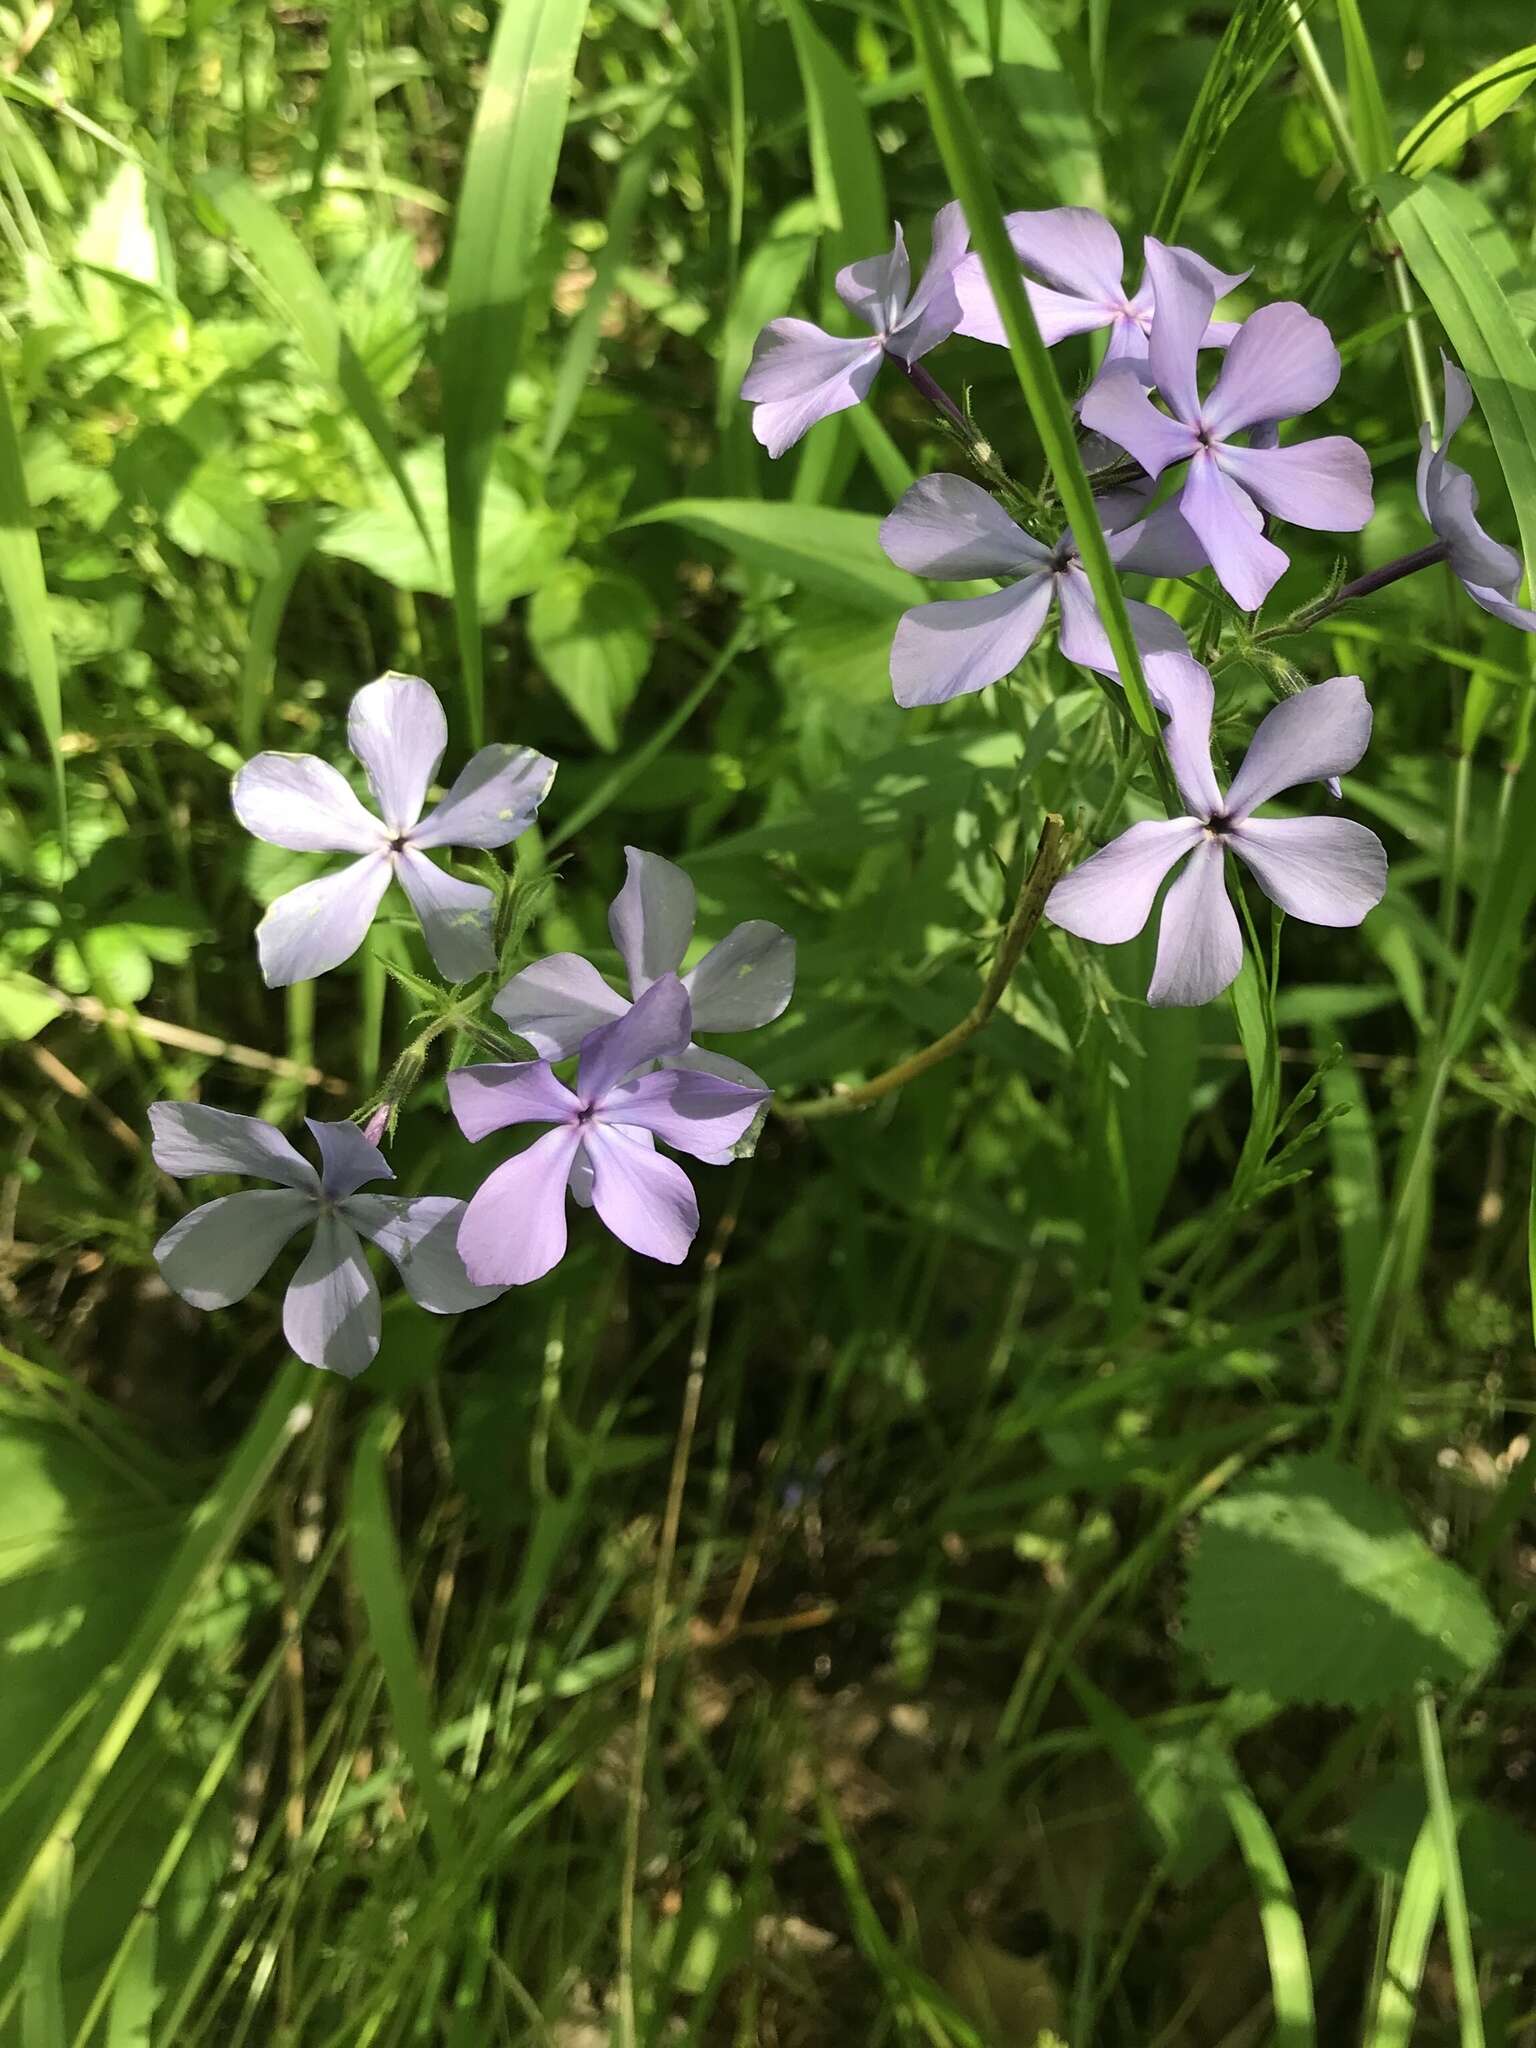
[[218, 1253], [397, 729], [1490, 573], [1327, 871], [603, 1143], [745, 980], [801, 374], [951, 530], [1281, 362], [1078, 255]]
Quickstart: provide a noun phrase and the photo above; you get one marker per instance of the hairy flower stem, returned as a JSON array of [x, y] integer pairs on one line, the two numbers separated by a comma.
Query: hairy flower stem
[[1051, 857], [1363, 586]]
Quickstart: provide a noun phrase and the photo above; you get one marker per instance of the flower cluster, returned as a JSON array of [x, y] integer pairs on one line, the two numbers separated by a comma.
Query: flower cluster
[[1191, 474], [639, 1076]]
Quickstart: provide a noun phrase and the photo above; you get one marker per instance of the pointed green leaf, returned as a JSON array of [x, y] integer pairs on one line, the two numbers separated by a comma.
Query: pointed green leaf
[[1476, 104]]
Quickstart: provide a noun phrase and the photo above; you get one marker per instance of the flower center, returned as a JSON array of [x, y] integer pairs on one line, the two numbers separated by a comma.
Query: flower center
[[1218, 825]]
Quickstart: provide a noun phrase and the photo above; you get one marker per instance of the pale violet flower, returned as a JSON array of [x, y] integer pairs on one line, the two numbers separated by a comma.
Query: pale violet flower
[[397, 729], [1490, 573], [745, 980], [1327, 871], [217, 1254], [1078, 257], [1280, 363], [801, 374], [602, 1148]]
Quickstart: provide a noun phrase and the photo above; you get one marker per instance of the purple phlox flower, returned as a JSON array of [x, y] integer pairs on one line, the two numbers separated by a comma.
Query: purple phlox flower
[[1078, 256], [1327, 871], [800, 374], [949, 529], [1490, 572], [218, 1253], [603, 1144], [396, 728], [745, 980], [1280, 363]]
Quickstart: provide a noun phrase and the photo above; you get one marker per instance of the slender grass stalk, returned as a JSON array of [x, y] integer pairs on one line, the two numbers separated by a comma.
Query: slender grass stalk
[[1458, 1926]]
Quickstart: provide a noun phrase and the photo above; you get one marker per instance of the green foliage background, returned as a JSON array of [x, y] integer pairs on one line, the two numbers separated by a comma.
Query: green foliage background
[[1103, 1564]]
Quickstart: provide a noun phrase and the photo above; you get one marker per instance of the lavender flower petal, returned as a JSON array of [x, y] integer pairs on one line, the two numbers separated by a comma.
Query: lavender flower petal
[[348, 1160], [800, 375], [1475, 556], [945, 650], [651, 918], [1322, 484], [1057, 314], [1282, 363], [1326, 870], [514, 1227], [556, 1002], [331, 1309], [1183, 299], [455, 917], [646, 1201], [686, 1109], [1228, 523], [876, 287], [1084, 640], [1118, 407], [495, 797], [932, 313], [1109, 896], [218, 1253], [293, 800], [1322, 731], [744, 981], [1071, 248], [318, 925], [397, 729], [1199, 945], [657, 1026], [190, 1138], [1163, 544], [1502, 607], [1187, 739], [950, 529], [418, 1234], [496, 1094]]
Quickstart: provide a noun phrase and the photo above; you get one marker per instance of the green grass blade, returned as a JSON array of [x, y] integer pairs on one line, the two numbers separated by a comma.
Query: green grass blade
[[26, 595], [130, 2019], [1252, 41], [817, 546], [1285, 1939], [259, 663], [1476, 104], [376, 1561], [1391, 2022], [509, 175], [1458, 1927], [845, 164], [1367, 109], [42, 1996], [964, 155], [288, 272]]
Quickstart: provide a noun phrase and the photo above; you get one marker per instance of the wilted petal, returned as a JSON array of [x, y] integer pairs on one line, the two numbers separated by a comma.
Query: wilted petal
[[688, 1110], [1109, 897], [876, 287], [419, 1235], [646, 1201], [455, 917], [514, 1227], [348, 1160], [1228, 524], [933, 311], [293, 800], [493, 800], [219, 1252], [944, 650], [191, 1138], [397, 729], [658, 1025], [1319, 732], [1199, 946], [1325, 485], [1118, 407], [556, 1002], [952, 530], [1183, 298], [318, 925], [1502, 607], [1282, 362], [496, 1094], [744, 981], [331, 1309], [800, 375], [651, 918], [1325, 870]]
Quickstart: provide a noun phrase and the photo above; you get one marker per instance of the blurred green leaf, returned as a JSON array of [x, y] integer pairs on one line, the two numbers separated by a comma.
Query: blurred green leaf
[[593, 633], [813, 545], [1452, 122]]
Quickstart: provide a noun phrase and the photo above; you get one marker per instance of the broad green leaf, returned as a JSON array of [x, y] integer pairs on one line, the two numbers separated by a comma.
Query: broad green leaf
[[519, 542], [1474, 105], [27, 1005], [592, 633], [814, 545], [1041, 94], [300, 293], [1310, 1585], [509, 174], [26, 594]]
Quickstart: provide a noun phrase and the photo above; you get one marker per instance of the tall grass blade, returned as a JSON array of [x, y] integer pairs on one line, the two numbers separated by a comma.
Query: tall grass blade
[[509, 175], [1476, 104], [1252, 41], [1367, 109], [1391, 2022], [26, 595], [845, 164], [42, 1995], [1285, 1939], [1458, 1926]]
